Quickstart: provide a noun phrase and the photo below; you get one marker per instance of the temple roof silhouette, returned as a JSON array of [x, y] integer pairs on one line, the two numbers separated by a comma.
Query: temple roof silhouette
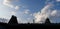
[[47, 21], [13, 20]]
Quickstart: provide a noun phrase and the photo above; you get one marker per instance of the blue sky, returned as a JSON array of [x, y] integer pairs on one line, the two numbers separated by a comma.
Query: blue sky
[[25, 9]]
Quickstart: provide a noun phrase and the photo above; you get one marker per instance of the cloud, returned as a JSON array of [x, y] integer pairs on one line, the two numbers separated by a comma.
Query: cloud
[[19, 20], [17, 7], [58, 0], [13, 13], [54, 12], [41, 16], [55, 16], [26, 11], [45, 9], [8, 3]]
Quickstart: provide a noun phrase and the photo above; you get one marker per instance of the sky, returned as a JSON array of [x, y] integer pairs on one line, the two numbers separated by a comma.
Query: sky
[[27, 10]]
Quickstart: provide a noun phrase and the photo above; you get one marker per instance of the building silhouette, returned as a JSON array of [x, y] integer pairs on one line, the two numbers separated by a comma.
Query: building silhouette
[[13, 20], [47, 21]]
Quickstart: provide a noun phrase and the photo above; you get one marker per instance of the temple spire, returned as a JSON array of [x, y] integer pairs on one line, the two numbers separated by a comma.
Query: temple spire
[[13, 20], [47, 21]]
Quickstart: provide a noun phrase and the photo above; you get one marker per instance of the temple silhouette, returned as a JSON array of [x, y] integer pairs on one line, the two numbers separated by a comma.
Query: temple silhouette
[[13, 24], [13, 20], [47, 21]]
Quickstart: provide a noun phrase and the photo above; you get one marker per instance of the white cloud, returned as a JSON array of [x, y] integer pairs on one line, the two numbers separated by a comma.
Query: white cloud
[[40, 17], [17, 7], [26, 11], [13, 13], [45, 9], [54, 12], [58, 0], [55, 16], [8, 3], [19, 20], [46, 12]]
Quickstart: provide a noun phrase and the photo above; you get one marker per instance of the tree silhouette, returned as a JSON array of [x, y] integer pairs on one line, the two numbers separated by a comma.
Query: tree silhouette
[[13, 20]]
